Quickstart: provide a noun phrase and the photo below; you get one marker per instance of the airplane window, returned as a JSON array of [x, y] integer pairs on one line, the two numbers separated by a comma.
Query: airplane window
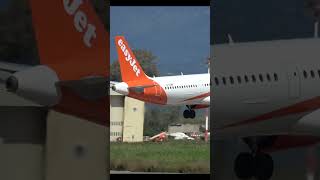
[[275, 77], [312, 73], [268, 77], [246, 78], [305, 74], [239, 79], [261, 77], [319, 73], [231, 79], [216, 81], [224, 80], [253, 78]]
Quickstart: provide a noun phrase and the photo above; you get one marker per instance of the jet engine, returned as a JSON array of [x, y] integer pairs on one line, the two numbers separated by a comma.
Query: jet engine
[[37, 84]]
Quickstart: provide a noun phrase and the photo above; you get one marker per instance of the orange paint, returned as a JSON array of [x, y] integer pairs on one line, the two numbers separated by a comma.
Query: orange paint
[[132, 74], [62, 47], [73, 42]]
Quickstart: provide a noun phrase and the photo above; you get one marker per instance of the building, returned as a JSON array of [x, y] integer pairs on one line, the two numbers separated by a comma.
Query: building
[[126, 118]]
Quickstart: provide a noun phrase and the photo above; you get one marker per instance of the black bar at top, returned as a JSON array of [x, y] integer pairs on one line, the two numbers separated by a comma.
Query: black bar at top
[[160, 2]]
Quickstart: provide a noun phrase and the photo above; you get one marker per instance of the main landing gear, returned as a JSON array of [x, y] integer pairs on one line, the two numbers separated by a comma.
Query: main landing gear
[[255, 164], [189, 113]]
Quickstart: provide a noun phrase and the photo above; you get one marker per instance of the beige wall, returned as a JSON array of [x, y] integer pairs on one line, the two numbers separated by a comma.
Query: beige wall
[[76, 149], [133, 120], [116, 116], [126, 118]]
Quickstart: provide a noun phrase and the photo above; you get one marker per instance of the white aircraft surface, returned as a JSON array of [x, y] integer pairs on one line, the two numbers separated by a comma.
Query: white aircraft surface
[[267, 95], [180, 135]]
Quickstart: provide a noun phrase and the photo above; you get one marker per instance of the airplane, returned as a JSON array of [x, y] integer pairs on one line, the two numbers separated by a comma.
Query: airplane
[[69, 76], [159, 137], [267, 95], [176, 136], [180, 136], [190, 90]]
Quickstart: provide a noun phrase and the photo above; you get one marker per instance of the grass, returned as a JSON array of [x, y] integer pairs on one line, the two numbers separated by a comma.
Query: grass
[[170, 156]]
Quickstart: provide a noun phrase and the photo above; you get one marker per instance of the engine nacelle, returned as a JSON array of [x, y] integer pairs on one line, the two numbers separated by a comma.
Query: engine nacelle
[[121, 88], [37, 84]]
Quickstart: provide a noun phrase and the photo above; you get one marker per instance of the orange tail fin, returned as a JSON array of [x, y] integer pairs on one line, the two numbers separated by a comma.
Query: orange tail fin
[[129, 66], [71, 38]]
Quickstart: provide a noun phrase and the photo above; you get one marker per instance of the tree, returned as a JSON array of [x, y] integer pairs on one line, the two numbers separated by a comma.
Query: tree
[[146, 60]]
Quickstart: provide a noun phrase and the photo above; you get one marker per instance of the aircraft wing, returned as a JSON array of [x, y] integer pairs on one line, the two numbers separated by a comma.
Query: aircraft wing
[[140, 88]]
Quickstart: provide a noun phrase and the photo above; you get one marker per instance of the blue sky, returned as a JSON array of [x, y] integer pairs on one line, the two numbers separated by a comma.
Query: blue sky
[[178, 36]]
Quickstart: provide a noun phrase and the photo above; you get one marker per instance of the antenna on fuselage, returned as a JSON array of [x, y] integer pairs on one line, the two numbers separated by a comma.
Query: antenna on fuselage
[[313, 9], [230, 39], [208, 63]]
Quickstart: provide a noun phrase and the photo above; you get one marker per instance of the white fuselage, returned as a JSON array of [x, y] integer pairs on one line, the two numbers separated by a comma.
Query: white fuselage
[[265, 88], [184, 89]]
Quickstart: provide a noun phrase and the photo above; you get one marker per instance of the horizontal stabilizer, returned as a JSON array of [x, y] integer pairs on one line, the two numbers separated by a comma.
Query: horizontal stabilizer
[[90, 88], [140, 89]]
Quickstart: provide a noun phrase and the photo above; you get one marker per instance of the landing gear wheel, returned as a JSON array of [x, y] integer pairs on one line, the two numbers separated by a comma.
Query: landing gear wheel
[[186, 114], [244, 166], [192, 114], [189, 114], [264, 166]]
